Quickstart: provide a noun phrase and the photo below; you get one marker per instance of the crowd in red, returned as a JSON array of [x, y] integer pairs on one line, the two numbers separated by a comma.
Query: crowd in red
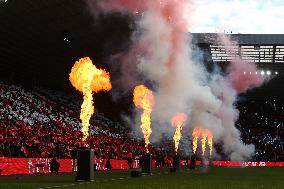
[[39, 123], [33, 125]]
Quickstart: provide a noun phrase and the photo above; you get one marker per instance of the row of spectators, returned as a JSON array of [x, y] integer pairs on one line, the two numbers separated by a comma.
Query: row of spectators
[[74, 102], [34, 125], [44, 123], [262, 124]]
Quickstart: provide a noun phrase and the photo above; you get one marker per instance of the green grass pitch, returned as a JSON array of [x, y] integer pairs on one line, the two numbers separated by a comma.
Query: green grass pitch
[[217, 177]]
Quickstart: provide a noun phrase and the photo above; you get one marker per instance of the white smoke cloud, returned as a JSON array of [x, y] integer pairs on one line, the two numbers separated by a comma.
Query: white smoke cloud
[[182, 84]]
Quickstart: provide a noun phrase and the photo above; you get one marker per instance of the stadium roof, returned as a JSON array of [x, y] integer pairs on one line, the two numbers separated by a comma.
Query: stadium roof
[[257, 48], [243, 39], [266, 50]]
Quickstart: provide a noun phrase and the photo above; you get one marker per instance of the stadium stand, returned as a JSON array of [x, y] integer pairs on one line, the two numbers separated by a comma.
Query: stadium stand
[[261, 123], [34, 125], [45, 123]]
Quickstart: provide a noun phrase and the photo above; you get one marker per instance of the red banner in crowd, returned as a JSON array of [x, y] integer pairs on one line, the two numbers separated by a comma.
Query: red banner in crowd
[[10, 166]]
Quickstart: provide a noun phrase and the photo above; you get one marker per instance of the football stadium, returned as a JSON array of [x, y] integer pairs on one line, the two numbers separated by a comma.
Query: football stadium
[[129, 94]]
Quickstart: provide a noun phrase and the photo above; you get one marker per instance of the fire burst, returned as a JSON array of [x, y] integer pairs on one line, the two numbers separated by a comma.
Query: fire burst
[[206, 136], [195, 134], [210, 141], [177, 121], [86, 78], [144, 99], [203, 142]]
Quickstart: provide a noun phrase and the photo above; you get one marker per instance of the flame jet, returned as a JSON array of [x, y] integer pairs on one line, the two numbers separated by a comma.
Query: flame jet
[[143, 98], [206, 136], [86, 78], [178, 121], [209, 141], [203, 142], [195, 134]]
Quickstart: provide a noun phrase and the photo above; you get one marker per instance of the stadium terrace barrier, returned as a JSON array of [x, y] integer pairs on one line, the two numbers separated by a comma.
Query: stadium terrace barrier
[[10, 166], [243, 164]]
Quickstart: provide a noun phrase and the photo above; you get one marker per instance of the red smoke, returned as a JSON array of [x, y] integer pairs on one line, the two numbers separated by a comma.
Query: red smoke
[[174, 13], [242, 82], [129, 5], [171, 10], [128, 66], [238, 80]]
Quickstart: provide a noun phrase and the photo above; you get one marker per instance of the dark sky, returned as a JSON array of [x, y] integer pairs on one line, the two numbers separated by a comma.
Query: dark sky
[[41, 40]]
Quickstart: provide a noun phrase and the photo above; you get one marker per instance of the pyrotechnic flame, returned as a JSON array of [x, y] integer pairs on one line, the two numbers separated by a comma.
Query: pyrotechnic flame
[[143, 98], [86, 78], [203, 142], [177, 121], [195, 134], [210, 141], [206, 136]]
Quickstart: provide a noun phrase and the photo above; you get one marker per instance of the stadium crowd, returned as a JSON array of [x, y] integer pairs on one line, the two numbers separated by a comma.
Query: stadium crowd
[[44, 123], [32, 125], [262, 124]]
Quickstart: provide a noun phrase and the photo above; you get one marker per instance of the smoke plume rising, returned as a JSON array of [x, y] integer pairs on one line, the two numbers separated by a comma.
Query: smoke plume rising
[[238, 80], [161, 55]]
